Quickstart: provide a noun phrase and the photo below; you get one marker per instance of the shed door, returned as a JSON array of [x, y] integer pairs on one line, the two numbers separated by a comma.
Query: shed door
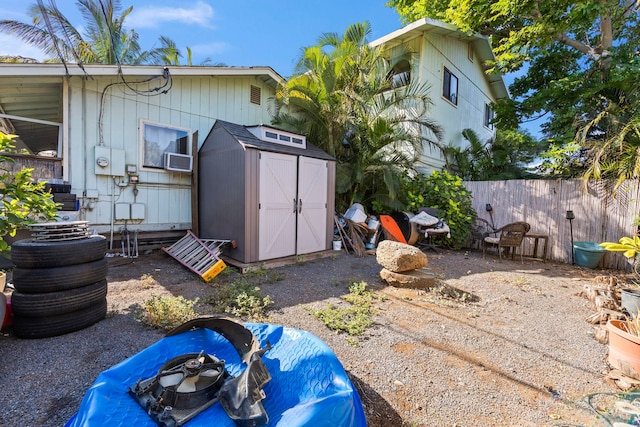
[[312, 205], [277, 205]]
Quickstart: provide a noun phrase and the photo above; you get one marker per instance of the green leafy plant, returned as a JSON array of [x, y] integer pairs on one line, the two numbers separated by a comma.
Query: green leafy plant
[[630, 246], [241, 298], [22, 201], [355, 318], [166, 312], [447, 193]]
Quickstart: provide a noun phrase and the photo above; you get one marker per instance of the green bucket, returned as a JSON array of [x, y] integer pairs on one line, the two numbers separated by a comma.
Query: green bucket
[[588, 254]]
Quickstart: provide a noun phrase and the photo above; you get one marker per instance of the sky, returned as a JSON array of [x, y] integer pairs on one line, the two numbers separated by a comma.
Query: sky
[[231, 32]]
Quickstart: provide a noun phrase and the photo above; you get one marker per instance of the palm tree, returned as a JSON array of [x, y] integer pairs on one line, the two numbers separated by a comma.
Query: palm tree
[[504, 156], [343, 98], [106, 41], [613, 136]]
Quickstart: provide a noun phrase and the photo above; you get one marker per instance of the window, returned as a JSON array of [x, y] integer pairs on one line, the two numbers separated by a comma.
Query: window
[[470, 51], [278, 136], [488, 116], [450, 87], [158, 139], [400, 75]]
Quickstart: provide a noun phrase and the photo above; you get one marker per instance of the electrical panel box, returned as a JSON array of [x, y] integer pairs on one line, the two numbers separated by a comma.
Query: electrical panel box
[[109, 161], [137, 211], [92, 194], [123, 211]]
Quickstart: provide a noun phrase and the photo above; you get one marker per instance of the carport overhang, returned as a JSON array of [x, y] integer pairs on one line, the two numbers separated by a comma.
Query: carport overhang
[[34, 97]]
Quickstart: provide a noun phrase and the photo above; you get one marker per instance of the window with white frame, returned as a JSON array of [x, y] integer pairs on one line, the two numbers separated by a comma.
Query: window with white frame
[[489, 115], [450, 86], [158, 139]]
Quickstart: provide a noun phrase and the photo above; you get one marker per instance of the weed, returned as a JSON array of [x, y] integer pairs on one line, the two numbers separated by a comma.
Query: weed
[[147, 281], [353, 342], [241, 298], [264, 275], [166, 312], [353, 319]]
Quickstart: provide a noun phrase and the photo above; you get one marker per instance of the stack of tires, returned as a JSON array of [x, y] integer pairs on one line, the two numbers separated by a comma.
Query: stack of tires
[[60, 286]]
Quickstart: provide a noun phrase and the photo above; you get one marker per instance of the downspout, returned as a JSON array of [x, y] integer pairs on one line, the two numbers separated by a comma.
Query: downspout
[[84, 142], [64, 129]]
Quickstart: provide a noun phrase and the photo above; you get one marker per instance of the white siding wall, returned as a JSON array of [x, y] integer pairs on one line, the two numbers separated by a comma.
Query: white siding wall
[[437, 52], [192, 102]]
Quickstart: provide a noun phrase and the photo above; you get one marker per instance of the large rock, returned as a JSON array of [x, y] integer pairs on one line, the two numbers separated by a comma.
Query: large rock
[[416, 279], [399, 257]]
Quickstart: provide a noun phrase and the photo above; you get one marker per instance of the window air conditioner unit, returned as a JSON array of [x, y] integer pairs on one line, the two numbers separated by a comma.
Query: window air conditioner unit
[[178, 162]]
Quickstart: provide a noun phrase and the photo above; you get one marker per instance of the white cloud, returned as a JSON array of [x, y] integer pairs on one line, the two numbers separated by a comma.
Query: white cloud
[[10, 45], [151, 17]]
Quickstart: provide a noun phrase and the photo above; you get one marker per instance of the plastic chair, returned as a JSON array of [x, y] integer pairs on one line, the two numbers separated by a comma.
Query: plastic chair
[[509, 236]]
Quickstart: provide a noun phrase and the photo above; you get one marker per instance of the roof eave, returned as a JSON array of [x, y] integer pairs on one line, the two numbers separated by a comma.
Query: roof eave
[[57, 69]]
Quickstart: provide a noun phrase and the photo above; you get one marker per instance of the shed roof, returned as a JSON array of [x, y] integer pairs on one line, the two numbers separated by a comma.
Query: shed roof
[[249, 140], [428, 25]]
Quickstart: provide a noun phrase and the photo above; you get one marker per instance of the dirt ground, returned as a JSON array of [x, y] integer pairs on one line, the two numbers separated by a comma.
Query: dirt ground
[[496, 343]]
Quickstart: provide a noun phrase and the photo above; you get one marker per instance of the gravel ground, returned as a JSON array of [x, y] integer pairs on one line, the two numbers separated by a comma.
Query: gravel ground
[[514, 351]]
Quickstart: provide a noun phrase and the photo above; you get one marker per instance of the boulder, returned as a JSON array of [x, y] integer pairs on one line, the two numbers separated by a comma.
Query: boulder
[[399, 257], [415, 279]]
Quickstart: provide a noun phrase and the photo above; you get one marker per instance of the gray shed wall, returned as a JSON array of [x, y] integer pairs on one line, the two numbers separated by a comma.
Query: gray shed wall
[[222, 192]]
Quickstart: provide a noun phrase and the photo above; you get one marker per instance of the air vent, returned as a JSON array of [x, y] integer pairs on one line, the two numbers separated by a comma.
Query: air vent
[[178, 162], [256, 94]]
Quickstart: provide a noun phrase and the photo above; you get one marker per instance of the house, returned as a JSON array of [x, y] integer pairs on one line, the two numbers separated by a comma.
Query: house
[[123, 137], [453, 64]]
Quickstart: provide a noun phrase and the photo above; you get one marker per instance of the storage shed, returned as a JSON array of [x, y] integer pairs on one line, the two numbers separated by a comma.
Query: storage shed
[[268, 189]]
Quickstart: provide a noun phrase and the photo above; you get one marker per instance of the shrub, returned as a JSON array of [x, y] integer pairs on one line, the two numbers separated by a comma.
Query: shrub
[[22, 201], [241, 298], [166, 312], [355, 318], [447, 193]]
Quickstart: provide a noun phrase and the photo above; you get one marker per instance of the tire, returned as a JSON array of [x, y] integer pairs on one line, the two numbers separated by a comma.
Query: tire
[[55, 279], [55, 303], [51, 326], [31, 253]]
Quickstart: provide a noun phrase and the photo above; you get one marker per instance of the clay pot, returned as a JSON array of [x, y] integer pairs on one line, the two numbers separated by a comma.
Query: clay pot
[[624, 348]]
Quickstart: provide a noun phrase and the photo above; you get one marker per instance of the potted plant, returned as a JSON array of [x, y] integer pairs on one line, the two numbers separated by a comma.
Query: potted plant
[[624, 346], [630, 247], [22, 201]]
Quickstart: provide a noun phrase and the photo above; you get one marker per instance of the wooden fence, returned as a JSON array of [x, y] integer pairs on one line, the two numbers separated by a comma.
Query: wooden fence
[[43, 167], [600, 216]]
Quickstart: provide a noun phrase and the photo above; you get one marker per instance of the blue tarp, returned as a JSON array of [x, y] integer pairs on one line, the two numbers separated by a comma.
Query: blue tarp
[[309, 386]]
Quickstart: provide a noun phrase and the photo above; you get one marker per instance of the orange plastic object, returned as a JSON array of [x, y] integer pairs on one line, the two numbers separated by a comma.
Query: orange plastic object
[[391, 229]]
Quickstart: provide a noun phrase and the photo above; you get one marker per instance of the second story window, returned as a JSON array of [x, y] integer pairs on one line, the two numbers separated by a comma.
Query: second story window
[[401, 74], [450, 86], [489, 115]]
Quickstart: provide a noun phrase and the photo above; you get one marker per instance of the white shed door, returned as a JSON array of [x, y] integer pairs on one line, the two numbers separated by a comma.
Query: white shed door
[[312, 205], [277, 216]]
